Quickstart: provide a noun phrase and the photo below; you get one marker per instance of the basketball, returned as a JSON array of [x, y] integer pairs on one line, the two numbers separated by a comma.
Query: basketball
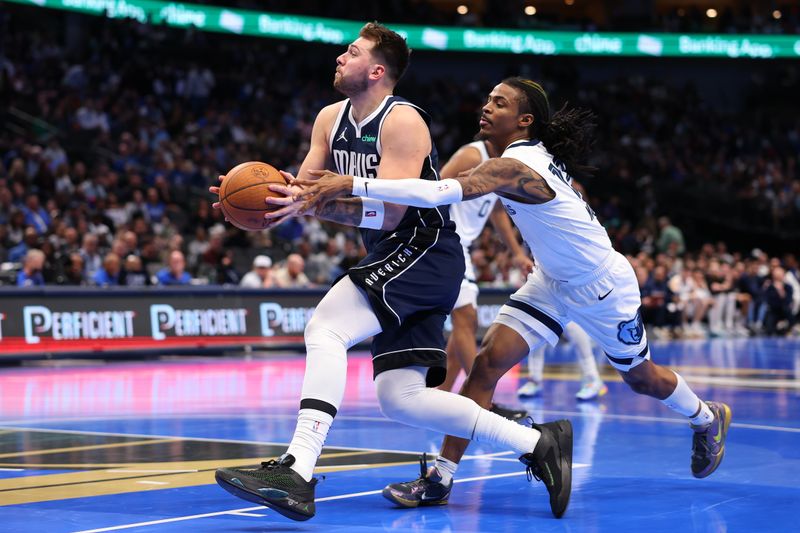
[[243, 191]]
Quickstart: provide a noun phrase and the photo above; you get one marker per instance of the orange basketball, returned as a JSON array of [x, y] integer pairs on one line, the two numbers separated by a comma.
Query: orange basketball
[[243, 191]]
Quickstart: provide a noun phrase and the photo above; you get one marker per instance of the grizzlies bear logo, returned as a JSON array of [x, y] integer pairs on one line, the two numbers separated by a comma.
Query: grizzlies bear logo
[[631, 331]]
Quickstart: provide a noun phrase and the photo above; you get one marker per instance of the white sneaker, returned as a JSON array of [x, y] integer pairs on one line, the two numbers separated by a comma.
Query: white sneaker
[[530, 390], [591, 391]]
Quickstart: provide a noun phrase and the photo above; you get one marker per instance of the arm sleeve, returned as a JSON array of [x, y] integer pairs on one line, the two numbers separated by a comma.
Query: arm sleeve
[[413, 192]]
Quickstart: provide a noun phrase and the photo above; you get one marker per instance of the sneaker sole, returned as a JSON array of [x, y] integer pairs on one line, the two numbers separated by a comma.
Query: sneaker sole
[[241, 492], [410, 504], [726, 422]]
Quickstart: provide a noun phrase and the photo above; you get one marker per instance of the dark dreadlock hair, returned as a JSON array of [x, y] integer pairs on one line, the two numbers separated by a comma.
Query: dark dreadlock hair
[[568, 134]]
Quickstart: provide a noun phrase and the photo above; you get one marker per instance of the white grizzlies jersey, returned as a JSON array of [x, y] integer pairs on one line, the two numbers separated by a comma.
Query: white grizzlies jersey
[[563, 234], [470, 216]]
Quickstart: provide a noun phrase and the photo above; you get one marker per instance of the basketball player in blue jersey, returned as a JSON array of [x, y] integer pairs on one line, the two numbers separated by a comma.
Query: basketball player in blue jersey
[[580, 276], [399, 294]]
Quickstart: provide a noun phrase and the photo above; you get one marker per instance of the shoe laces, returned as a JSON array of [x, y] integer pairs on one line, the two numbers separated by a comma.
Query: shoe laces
[[700, 443], [423, 466], [533, 471], [274, 464], [270, 465]]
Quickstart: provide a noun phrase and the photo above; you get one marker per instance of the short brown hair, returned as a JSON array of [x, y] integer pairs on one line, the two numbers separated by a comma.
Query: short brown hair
[[391, 47]]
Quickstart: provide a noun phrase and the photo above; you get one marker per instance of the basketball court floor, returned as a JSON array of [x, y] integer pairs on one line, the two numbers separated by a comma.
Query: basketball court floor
[[133, 447]]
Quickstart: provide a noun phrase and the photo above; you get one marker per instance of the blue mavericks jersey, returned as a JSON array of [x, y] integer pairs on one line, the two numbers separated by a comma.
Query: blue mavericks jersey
[[356, 151]]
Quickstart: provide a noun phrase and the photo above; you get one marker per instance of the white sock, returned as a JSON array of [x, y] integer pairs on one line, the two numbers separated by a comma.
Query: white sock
[[309, 437], [684, 401], [507, 434], [446, 468], [703, 417]]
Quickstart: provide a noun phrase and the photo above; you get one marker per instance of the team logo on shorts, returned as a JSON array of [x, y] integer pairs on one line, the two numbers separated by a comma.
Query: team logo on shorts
[[631, 331]]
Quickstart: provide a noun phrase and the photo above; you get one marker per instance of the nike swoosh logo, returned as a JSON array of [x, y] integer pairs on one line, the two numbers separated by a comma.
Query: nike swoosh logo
[[603, 297]]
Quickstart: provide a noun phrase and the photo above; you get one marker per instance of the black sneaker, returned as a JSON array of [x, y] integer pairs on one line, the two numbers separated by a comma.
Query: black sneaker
[[551, 462], [508, 412], [275, 485], [428, 489]]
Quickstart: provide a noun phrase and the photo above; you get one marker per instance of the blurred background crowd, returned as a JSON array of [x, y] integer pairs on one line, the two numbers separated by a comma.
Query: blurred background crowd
[[106, 156]]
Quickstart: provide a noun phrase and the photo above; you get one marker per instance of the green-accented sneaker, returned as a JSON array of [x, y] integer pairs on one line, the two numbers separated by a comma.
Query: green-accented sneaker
[[708, 444], [427, 489], [273, 484], [551, 462]]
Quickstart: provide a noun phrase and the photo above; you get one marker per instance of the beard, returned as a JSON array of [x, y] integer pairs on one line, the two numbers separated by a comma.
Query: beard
[[481, 136], [349, 86]]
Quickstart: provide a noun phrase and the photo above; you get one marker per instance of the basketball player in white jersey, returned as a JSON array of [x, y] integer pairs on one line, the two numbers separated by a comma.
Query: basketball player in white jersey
[[396, 295], [470, 217], [579, 277]]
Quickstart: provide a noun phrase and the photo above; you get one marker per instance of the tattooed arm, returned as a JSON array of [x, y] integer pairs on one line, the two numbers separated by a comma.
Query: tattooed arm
[[347, 211], [509, 178]]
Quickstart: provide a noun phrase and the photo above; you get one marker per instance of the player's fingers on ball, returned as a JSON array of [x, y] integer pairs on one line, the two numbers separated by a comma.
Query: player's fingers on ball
[[277, 187], [277, 213], [216, 205], [273, 200], [221, 178], [287, 176], [305, 193], [213, 190]]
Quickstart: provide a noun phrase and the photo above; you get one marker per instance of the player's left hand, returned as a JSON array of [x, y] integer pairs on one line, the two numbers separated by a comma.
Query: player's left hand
[[288, 207], [325, 188]]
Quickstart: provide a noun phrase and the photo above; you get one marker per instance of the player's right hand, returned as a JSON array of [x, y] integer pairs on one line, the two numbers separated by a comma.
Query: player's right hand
[[288, 206]]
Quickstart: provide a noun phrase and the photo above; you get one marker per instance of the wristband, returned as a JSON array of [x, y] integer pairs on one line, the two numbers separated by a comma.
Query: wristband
[[372, 212]]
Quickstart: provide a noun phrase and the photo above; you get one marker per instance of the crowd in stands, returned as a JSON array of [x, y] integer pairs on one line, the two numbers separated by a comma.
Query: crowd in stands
[[107, 155]]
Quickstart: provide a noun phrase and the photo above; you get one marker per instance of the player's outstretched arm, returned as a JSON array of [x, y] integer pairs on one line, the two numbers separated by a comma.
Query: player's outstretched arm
[[504, 176]]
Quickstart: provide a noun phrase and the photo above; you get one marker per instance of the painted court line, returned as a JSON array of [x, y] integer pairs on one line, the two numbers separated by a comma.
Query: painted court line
[[244, 510], [639, 418], [135, 471], [201, 439]]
